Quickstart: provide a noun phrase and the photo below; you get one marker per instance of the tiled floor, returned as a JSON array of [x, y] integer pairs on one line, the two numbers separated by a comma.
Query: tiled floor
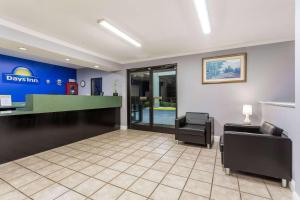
[[130, 165]]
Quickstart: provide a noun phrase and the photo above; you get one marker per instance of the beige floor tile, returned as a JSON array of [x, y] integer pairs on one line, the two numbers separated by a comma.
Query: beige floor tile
[[60, 174], [221, 193], [107, 192], [48, 169], [58, 158], [280, 193], [94, 158], [13, 195], [145, 162], [253, 187], [165, 193], [140, 153], [36, 186], [89, 186], [219, 170], [106, 162], [201, 176], [208, 152], [180, 170], [107, 175], [226, 181], [190, 196], [71, 195], [198, 187], [67, 162], [92, 170], [162, 166], [185, 163], [38, 165], [124, 180], [174, 181], [79, 165], [131, 196], [50, 193], [205, 159], [73, 180], [118, 156], [153, 156], [204, 167], [120, 166], [5, 188], [130, 159], [246, 196], [154, 175], [189, 156], [14, 174], [168, 159], [143, 187], [136, 170], [25, 179]]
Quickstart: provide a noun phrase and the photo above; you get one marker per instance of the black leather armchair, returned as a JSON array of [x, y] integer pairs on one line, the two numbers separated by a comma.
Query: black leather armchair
[[262, 150], [197, 128]]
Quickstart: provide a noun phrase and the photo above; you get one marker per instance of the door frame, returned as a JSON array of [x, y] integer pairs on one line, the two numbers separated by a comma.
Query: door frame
[[151, 126]]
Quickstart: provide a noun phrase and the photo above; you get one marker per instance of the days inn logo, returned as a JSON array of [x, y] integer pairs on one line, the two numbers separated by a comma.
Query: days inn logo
[[21, 75]]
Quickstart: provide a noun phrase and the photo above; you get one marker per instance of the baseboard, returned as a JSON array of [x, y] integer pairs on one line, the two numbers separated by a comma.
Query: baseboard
[[123, 128], [295, 196], [293, 185], [216, 138], [293, 188]]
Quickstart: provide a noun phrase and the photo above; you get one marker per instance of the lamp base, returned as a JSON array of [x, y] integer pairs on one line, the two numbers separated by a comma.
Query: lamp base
[[247, 120]]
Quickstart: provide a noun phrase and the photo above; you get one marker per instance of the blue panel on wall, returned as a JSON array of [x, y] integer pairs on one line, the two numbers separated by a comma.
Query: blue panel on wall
[[19, 77]]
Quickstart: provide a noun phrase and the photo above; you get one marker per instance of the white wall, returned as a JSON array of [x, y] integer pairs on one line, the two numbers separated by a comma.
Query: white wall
[[270, 78], [296, 140]]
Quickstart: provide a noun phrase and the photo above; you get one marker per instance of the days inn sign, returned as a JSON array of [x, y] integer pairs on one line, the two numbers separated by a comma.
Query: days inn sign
[[21, 75]]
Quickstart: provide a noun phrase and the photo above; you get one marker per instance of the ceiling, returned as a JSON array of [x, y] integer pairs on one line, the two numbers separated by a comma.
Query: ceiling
[[67, 28]]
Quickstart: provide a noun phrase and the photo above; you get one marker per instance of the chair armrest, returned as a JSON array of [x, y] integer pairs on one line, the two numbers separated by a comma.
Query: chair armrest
[[241, 128], [180, 122], [209, 126]]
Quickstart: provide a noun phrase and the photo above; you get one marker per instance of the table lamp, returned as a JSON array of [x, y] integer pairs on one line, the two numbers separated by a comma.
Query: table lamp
[[247, 110]]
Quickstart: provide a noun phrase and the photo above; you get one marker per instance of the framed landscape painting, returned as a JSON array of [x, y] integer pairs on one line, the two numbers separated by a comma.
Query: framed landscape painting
[[224, 69]]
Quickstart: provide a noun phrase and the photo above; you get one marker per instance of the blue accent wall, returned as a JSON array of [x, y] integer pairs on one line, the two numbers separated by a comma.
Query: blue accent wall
[[40, 71]]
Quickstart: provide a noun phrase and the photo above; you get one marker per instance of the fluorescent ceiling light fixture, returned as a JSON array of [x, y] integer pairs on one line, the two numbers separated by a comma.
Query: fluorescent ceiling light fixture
[[22, 48], [67, 59], [119, 33], [96, 66], [201, 8]]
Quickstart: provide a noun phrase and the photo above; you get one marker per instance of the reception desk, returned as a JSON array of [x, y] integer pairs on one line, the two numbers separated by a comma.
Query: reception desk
[[50, 121]]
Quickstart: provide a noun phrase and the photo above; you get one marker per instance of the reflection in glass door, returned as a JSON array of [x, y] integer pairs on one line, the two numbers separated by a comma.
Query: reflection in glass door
[[164, 97], [140, 98]]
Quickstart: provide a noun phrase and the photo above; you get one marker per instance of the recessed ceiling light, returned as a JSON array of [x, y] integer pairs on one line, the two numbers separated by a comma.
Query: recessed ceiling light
[[22, 48], [96, 66], [201, 8], [67, 59], [119, 33]]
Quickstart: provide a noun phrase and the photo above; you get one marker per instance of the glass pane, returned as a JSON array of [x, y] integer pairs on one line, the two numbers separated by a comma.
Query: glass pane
[[164, 97], [139, 97]]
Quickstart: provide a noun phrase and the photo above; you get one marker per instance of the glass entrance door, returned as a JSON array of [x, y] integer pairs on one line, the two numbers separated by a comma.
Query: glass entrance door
[[140, 98], [164, 97], [152, 102]]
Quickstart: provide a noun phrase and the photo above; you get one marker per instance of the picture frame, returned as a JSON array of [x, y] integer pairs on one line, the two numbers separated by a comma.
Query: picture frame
[[224, 69]]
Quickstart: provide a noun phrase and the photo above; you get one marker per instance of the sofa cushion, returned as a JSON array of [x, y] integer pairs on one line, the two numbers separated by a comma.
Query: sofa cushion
[[194, 127], [196, 118], [268, 128]]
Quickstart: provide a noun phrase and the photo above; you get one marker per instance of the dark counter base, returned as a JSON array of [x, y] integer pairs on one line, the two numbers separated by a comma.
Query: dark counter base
[[24, 135]]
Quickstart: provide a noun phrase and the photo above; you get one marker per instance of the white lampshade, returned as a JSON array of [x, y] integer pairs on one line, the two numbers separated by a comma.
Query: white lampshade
[[247, 109]]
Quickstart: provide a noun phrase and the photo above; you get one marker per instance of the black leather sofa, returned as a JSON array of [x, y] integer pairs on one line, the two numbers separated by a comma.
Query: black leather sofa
[[197, 128], [263, 150]]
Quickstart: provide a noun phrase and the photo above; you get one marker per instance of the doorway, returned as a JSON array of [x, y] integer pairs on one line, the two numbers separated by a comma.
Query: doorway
[[152, 98]]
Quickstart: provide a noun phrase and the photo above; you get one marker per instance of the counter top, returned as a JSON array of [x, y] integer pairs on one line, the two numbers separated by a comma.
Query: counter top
[[36, 104]]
